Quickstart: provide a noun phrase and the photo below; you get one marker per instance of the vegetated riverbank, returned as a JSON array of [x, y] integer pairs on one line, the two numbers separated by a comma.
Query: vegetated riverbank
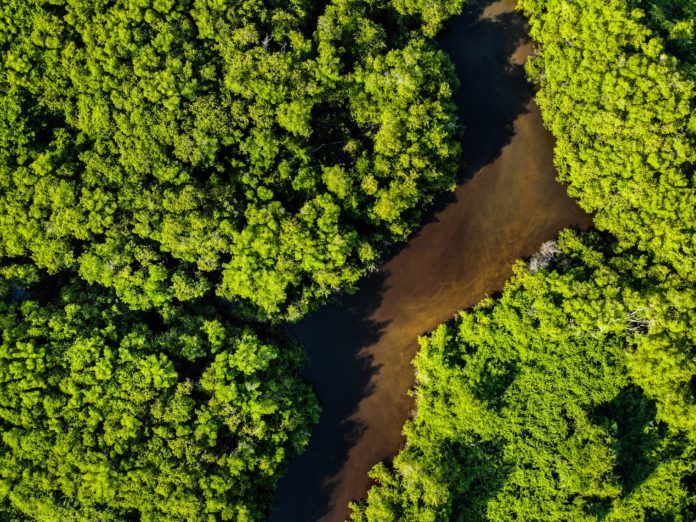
[[361, 347]]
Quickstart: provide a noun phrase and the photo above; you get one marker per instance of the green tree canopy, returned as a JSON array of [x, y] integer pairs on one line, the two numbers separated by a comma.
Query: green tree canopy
[[265, 151], [108, 414], [618, 90], [569, 398]]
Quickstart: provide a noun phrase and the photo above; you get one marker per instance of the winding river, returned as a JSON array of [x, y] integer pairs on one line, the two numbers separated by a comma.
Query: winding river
[[360, 348]]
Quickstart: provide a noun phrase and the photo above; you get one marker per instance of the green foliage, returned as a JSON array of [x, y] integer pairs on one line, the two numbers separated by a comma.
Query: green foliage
[[108, 414], [431, 13], [263, 151], [569, 398], [618, 90], [676, 22]]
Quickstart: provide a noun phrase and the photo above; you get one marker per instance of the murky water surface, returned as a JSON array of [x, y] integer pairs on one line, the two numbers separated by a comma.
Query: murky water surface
[[509, 203]]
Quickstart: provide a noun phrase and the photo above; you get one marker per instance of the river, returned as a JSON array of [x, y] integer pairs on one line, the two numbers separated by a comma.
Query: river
[[360, 348]]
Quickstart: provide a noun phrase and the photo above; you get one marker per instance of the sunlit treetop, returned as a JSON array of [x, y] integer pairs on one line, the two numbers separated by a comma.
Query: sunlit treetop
[[618, 90], [108, 414], [263, 151]]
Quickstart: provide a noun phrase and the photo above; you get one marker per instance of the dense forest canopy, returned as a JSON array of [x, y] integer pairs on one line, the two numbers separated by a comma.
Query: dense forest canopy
[[573, 395], [623, 109], [158, 155], [263, 151], [108, 414], [569, 398]]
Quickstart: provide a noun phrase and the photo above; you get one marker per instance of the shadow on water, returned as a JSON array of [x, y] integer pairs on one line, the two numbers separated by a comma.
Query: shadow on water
[[493, 91], [339, 368]]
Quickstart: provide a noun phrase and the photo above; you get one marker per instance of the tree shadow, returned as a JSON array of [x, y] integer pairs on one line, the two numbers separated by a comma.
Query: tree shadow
[[493, 92], [499, 378], [479, 472], [640, 448], [688, 482], [630, 418], [340, 371]]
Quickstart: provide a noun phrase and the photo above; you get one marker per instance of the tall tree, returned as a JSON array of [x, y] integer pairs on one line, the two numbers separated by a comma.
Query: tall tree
[[266, 152], [108, 414]]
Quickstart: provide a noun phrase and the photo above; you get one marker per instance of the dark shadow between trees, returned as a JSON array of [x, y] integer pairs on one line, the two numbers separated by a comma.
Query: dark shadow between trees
[[630, 418], [479, 472], [493, 92]]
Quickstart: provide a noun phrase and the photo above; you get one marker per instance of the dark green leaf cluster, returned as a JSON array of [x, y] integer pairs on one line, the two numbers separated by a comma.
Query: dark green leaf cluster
[[108, 414], [262, 151], [623, 109], [569, 398], [675, 20]]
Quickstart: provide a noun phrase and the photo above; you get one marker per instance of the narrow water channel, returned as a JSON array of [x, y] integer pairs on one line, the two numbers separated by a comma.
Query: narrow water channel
[[360, 348]]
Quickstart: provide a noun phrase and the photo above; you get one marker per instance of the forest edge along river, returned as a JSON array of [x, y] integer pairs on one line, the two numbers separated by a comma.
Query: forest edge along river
[[360, 348]]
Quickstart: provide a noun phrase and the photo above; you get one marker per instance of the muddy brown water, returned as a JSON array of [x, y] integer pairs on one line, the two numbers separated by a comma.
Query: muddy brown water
[[361, 347]]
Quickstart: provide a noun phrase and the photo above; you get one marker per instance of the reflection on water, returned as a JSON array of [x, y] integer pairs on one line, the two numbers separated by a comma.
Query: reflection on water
[[508, 204]]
